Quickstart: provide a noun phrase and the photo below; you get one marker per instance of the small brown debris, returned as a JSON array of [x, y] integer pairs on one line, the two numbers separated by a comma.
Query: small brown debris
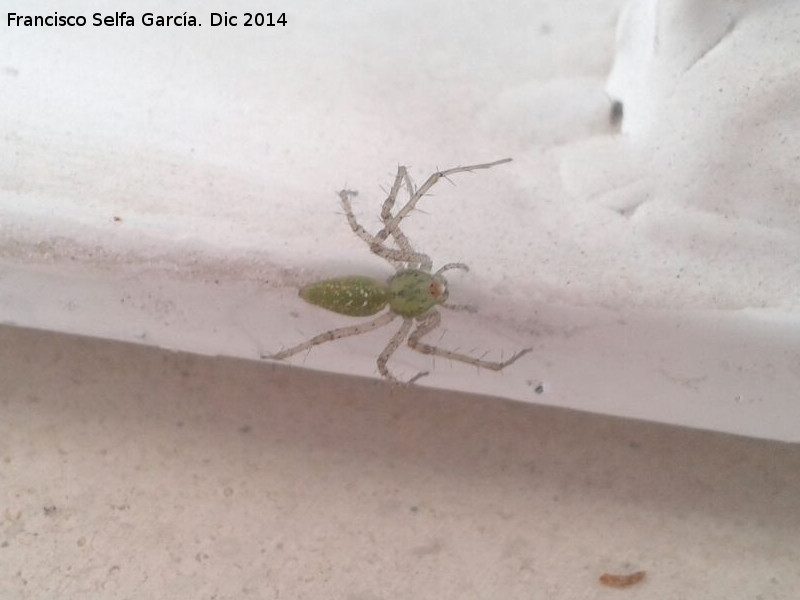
[[621, 581]]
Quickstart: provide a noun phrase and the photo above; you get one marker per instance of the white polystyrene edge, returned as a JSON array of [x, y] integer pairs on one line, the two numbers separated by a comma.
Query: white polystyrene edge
[[725, 371]]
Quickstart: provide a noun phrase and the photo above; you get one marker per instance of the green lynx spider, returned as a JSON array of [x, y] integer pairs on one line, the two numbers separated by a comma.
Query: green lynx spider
[[412, 293]]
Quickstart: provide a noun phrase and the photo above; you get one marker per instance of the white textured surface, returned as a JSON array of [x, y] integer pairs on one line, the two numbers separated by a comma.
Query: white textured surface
[[128, 472], [175, 186]]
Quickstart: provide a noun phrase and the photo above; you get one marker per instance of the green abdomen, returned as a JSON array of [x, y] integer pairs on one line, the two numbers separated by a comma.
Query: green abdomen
[[355, 296]]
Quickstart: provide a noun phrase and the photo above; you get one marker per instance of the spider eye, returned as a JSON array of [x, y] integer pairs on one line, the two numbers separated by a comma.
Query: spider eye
[[438, 290]]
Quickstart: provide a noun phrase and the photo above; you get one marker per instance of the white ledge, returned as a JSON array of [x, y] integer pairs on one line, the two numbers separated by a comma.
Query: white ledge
[[174, 187]]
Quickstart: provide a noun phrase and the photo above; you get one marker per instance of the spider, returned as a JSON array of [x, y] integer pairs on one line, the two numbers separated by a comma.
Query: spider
[[413, 293]]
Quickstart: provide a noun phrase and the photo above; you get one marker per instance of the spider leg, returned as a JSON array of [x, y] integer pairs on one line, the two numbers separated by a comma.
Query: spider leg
[[388, 204], [424, 263], [425, 187], [470, 308], [430, 323], [397, 258], [390, 349], [457, 307], [450, 266], [334, 334], [359, 230]]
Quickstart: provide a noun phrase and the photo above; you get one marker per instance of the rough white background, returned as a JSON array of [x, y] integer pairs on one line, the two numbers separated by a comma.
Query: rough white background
[[653, 273]]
